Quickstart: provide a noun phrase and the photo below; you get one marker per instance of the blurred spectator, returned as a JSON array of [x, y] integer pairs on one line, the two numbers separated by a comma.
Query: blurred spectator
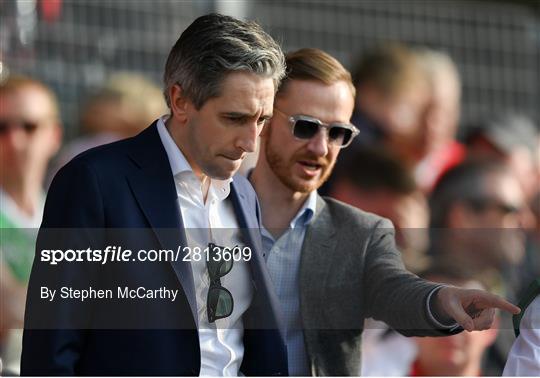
[[376, 181], [514, 140], [387, 353], [124, 106], [409, 103], [470, 207], [30, 134], [440, 120], [456, 355], [476, 221], [392, 92]]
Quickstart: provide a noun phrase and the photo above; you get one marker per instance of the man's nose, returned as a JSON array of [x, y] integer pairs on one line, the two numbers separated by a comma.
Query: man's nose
[[318, 144], [247, 141]]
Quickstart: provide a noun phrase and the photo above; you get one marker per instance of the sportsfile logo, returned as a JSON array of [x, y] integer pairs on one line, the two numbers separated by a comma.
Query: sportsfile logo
[[118, 254]]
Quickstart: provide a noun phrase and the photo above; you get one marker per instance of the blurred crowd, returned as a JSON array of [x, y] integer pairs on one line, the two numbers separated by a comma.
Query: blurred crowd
[[31, 152], [466, 211]]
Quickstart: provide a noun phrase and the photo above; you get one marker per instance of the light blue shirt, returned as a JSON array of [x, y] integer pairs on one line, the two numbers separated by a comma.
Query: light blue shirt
[[283, 262]]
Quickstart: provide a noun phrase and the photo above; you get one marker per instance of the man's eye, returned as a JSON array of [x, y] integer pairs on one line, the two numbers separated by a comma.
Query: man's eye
[[262, 121], [238, 120]]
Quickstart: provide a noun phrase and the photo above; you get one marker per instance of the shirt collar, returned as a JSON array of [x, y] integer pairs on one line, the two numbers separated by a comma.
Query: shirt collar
[[180, 167], [305, 214], [177, 160]]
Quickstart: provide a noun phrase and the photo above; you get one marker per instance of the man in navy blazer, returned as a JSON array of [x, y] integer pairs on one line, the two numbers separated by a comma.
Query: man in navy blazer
[[149, 193]]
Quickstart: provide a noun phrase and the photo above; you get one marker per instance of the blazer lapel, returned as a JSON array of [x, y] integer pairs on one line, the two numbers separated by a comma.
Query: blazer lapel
[[316, 261], [153, 187], [319, 243], [247, 222], [266, 303]]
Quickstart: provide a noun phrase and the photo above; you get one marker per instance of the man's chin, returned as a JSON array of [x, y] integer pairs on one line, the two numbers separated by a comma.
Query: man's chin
[[224, 175], [220, 173], [303, 186]]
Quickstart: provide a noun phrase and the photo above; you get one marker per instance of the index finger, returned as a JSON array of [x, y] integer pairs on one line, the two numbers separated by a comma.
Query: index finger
[[494, 301]]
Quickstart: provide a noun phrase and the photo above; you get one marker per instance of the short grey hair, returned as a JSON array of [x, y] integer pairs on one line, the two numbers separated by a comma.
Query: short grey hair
[[215, 45]]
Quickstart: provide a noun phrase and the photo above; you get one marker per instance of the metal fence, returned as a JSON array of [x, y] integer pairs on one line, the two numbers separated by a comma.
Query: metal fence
[[73, 45]]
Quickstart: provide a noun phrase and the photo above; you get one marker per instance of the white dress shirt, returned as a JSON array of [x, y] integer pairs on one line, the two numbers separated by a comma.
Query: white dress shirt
[[213, 220], [524, 357]]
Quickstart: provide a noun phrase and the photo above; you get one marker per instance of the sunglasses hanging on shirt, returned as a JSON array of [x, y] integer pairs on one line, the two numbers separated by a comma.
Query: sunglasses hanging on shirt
[[219, 303]]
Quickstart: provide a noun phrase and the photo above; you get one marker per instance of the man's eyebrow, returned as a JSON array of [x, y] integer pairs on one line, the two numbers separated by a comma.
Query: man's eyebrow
[[236, 114], [245, 115]]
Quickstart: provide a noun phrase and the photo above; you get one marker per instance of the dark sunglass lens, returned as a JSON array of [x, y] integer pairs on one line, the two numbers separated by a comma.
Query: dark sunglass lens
[[216, 264], [226, 266], [224, 304], [339, 134], [305, 129], [218, 269], [347, 138], [220, 303]]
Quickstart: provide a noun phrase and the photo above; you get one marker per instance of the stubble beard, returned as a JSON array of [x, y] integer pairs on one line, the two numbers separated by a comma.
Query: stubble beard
[[283, 169]]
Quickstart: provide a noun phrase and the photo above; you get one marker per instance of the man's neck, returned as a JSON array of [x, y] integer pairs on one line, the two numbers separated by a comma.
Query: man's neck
[[279, 204], [205, 186]]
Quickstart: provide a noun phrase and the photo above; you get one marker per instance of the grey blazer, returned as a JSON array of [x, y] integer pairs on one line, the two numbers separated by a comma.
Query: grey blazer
[[351, 270]]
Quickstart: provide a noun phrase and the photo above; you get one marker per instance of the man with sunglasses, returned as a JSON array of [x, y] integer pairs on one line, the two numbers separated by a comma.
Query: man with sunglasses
[[170, 188], [333, 265], [30, 134], [479, 206]]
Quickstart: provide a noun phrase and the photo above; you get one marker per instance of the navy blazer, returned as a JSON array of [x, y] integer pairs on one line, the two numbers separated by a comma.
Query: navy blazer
[[123, 194]]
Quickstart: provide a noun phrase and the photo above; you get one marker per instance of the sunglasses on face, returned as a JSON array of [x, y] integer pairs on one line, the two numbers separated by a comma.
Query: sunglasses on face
[[7, 125], [219, 302], [306, 127]]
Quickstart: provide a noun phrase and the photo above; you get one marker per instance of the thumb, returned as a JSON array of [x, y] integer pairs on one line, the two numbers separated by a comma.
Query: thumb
[[456, 310]]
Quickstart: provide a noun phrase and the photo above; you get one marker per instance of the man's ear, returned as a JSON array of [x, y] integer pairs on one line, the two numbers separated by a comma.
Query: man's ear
[[179, 103]]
